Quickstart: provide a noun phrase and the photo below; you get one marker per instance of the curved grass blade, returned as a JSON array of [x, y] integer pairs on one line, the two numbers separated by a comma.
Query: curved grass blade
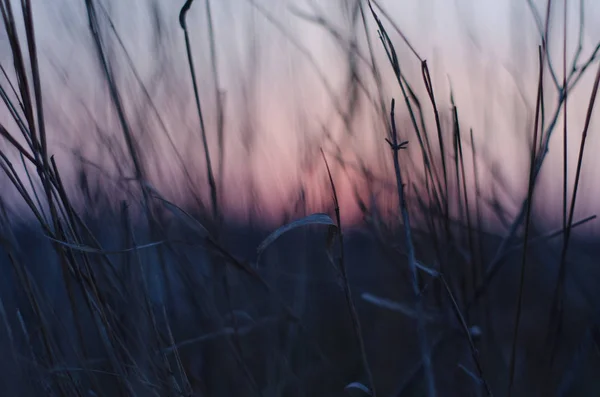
[[357, 389], [314, 219]]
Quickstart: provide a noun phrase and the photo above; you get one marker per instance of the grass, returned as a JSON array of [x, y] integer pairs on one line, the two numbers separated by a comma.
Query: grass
[[118, 289]]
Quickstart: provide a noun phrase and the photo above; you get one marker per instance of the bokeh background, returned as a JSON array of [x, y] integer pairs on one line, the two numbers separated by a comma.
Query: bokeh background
[[131, 281], [283, 75]]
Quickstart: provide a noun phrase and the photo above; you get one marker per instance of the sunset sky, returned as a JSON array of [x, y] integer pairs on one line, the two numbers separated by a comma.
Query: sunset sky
[[271, 66]]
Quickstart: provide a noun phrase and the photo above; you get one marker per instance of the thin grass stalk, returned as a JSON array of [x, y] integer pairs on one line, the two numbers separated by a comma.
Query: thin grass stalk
[[479, 218], [37, 102], [565, 112], [545, 41], [412, 262], [13, 89], [558, 300], [531, 186], [15, 114], [33, 187], [190, 57], [346, 286], [465, 329], [13, 177], [37, 88], [396, 28], [456, 164], [432, 170], [218, 99], [470, 238], [433, 184], [446, 198], [114, 93], [465, 281], [374, 66], [20, 71]]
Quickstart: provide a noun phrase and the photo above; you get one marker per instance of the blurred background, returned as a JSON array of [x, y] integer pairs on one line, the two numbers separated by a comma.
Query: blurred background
[[136, 266], [274, 79]]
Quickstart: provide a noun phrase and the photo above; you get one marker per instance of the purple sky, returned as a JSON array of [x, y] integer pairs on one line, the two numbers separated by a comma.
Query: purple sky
[[276, 102]]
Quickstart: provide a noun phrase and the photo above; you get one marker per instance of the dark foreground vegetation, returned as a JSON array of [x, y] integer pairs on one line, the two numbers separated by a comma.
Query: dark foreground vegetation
[[133, 294]]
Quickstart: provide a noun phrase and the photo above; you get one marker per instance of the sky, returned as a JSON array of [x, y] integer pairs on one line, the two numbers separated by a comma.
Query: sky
[[277, 71]]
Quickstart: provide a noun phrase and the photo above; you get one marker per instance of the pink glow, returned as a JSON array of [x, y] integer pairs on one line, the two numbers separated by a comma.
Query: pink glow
[[492, 72]]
